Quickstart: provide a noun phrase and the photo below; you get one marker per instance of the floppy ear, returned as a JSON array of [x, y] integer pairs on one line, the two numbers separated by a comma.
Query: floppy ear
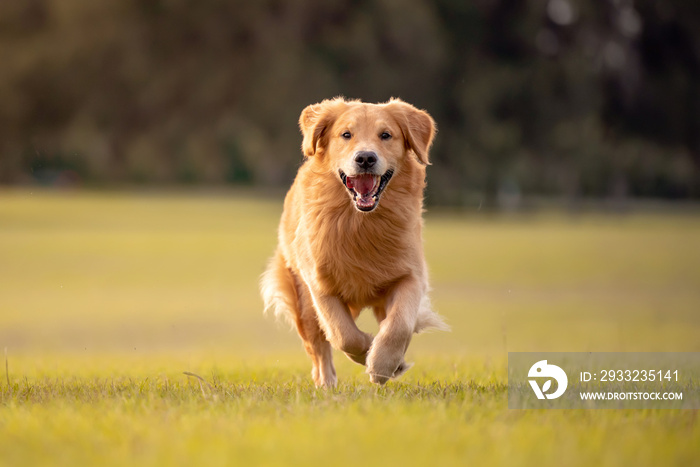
[[418, 128], [315, 120]]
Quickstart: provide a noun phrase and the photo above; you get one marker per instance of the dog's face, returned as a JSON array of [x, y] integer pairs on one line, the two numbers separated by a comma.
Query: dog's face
[[366, 144]]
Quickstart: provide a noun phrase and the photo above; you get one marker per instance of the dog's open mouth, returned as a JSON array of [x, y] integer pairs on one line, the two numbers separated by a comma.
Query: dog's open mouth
[[366, 188]]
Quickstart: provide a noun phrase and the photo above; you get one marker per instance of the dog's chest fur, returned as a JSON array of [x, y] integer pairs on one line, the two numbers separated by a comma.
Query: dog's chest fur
[[351, 261]]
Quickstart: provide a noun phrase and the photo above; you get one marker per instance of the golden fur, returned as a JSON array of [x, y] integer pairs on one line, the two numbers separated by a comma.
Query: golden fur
[[333, 260]]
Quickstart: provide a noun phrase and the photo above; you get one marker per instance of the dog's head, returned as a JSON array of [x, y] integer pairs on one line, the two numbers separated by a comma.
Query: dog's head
[[366, 144]]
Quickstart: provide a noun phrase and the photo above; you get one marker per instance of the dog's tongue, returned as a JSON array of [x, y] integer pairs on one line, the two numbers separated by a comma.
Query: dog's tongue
[[362, 184]]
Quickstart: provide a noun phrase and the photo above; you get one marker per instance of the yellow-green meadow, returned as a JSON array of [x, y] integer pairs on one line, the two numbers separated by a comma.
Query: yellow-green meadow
[[107, 298]]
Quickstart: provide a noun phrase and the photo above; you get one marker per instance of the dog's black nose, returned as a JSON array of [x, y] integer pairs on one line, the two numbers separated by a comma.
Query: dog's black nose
[[365, 159]]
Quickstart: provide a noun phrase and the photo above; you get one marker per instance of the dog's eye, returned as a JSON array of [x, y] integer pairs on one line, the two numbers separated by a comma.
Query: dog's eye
[[385, 135], [346, 135]]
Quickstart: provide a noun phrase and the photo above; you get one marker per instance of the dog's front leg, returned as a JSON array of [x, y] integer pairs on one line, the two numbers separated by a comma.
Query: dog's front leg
[[340, 329], [386, 357]]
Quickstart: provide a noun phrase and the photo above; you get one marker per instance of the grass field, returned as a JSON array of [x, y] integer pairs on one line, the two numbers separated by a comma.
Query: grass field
[[107, 298]]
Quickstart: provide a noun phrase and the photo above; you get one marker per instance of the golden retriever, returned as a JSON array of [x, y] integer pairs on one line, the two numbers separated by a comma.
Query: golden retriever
[[350, 236]]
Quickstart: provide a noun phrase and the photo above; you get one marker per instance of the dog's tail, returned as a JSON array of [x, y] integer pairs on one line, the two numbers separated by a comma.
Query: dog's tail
[[428, 320], [278, 290]]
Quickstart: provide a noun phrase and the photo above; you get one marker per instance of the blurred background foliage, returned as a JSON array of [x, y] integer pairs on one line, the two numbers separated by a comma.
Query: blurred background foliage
[[558, 98]]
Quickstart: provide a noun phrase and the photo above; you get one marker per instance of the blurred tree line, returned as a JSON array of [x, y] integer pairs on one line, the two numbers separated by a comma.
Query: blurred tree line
[[538, 97]]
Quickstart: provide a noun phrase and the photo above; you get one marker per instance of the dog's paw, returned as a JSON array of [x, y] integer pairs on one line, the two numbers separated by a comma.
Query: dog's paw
[[361, 358], [402, 368], [356, 349], [326, 381], [378, 378]]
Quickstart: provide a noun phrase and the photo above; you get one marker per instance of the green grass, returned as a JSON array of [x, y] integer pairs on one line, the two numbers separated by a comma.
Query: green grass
[[107, 298]]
